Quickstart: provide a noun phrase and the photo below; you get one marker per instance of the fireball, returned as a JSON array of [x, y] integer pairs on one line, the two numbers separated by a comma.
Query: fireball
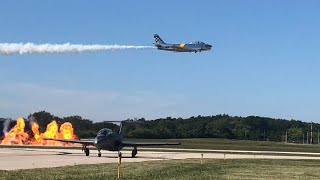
[[36, 134], [17, 134], [66, 131]]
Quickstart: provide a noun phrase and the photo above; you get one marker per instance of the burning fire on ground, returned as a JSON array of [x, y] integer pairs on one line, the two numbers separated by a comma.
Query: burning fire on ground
[[17, 134]]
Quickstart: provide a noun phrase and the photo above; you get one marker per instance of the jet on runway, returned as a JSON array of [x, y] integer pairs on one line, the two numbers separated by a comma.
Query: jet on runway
[[191, 47], [106, 139]]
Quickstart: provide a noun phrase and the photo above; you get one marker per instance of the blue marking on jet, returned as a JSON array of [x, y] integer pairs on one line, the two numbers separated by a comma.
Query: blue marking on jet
[[191, 47]]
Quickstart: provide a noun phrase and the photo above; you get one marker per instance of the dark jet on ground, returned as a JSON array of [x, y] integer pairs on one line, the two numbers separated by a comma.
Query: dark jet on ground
[[106, 139], [197, 46]]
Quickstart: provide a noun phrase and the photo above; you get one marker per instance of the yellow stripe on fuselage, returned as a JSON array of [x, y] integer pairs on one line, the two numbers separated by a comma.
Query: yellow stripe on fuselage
[[182, 45]]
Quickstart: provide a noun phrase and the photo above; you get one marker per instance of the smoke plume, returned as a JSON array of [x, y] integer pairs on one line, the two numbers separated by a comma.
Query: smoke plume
[[32, 120], [31, 48], [6, 125]]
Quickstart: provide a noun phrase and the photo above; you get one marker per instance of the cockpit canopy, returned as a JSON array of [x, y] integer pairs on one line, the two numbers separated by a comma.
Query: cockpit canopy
[[105, 131], [197, 42]]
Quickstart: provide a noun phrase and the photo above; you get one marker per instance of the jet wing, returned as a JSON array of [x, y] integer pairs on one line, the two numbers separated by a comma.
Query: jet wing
[[84, 142], [136, 144]]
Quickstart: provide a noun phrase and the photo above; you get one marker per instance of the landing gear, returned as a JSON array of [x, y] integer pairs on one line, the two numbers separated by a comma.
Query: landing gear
[[99, 153], [134, 152], [86, 150]]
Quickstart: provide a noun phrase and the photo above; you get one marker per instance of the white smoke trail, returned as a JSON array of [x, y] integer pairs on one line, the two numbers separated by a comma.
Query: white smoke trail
[[31, 48]]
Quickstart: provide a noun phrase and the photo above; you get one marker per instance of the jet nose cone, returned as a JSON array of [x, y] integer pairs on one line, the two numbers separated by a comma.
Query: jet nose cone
[[208, 46]]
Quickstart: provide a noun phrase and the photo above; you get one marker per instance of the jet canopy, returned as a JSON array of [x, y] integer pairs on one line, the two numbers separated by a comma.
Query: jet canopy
[[105, 131], [197, 42]]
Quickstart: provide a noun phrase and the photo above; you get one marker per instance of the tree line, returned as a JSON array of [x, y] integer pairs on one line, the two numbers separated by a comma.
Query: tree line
[[218, 126]]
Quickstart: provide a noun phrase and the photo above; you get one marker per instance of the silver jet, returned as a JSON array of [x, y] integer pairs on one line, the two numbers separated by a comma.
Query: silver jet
[[191, 47]]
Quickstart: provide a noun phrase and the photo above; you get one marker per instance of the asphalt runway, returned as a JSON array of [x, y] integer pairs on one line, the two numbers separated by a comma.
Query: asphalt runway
[[28, 158]]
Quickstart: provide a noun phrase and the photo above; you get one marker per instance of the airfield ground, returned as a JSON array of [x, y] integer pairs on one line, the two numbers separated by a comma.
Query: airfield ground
[[179, 169], [26, 158], [248, 160]]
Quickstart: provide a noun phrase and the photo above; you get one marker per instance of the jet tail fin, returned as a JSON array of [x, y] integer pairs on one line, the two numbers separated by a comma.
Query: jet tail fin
[[158, 39]]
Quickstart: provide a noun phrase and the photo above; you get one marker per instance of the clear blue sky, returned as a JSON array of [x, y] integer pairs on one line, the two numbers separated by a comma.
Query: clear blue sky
[[265, 60]]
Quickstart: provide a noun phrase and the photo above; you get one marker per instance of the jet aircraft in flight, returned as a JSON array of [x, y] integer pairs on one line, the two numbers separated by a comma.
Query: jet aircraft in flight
[[191, 47], [106, 139]]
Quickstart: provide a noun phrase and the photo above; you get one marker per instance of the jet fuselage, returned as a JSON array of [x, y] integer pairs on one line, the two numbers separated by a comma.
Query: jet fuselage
[[191, 47]]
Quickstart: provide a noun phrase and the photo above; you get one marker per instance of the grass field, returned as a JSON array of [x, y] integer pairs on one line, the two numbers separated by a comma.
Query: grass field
[[221, 144], [227, 144], [180, 169]]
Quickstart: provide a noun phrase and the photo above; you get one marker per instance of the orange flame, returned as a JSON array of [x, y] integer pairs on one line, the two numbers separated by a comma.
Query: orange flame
[[66, 131], [36, 134], [17, 135]]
